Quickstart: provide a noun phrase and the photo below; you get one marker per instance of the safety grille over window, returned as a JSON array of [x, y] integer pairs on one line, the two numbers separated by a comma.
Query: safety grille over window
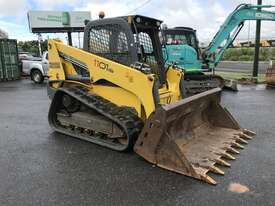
[[110, 41], [146, 52]]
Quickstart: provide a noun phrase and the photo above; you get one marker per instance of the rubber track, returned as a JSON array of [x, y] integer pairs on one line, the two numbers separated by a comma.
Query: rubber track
[[122, 116], [203, 79]]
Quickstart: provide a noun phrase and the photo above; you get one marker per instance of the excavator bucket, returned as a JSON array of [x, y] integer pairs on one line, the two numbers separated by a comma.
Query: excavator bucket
[[192, 136]]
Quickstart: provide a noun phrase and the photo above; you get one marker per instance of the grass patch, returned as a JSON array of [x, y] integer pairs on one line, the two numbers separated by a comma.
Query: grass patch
[[238, 76]]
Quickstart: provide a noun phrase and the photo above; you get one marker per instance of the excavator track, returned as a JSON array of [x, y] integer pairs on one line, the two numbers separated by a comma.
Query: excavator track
[[200, 83], [122, 117]]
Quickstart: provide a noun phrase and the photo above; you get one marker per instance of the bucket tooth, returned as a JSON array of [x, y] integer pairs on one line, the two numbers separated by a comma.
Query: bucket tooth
[[237, 145], [225, 155], [232, 150], [228, 156], [208, 179], [238, 139], [222, 162], [245, 136], [248, 132], [216, 170], [209, 166]]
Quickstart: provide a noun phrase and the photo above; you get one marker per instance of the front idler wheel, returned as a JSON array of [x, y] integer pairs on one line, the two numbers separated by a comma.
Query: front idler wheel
[[72, 105]]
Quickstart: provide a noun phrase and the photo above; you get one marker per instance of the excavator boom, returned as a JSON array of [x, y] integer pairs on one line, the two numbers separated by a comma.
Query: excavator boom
[[231, 28]]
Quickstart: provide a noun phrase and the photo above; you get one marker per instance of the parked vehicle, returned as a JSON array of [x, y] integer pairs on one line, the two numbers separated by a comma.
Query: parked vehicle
[[36, 68], [25, 56]]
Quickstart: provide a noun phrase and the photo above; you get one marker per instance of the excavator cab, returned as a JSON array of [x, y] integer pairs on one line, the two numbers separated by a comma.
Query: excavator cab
[[117, 93], [181, 48], [181, 35]]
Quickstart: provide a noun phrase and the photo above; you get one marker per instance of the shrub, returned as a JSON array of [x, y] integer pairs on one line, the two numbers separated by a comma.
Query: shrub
[[245, 58], [244, 51], [233, 58], [232, 54], [247, 54]]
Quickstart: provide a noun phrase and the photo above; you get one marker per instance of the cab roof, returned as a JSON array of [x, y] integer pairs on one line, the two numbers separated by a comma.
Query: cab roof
[[142, 20], [178, 29]]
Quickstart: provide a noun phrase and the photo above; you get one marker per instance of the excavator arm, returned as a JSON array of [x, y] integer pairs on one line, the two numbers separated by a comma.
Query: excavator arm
[[231, 28]]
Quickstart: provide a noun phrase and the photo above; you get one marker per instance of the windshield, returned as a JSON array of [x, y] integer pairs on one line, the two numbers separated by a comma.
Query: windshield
[[184, 38]]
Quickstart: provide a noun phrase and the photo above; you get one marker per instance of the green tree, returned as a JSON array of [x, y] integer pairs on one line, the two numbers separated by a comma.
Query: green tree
[[32, 46]]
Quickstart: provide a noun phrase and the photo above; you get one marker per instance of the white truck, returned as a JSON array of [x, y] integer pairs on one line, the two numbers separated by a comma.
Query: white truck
[[36, 68]]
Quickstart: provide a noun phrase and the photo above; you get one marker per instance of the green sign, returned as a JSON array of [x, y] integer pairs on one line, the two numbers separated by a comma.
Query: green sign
[[54, 19]]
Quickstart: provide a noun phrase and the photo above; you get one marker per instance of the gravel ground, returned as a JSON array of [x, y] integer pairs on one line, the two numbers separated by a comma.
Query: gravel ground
[[40, 167]]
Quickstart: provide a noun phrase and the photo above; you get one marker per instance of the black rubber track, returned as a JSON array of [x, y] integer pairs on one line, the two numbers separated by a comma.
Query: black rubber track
[[124, 117], [204, 79]]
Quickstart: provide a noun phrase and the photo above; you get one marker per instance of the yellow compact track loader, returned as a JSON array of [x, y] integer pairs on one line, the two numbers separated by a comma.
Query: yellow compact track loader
[[117, 93]]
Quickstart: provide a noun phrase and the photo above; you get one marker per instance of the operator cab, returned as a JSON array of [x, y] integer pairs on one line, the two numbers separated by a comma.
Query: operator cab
[[129, 40]]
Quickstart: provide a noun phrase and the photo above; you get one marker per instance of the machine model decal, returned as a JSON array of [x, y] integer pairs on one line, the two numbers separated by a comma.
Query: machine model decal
[[103, 66]]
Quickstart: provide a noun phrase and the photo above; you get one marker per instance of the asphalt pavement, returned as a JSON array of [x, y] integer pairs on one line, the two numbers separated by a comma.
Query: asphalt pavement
[[40, 167], [241, 66]]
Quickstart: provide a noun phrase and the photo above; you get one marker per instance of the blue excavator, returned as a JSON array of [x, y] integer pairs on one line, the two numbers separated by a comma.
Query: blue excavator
[[181, 47]]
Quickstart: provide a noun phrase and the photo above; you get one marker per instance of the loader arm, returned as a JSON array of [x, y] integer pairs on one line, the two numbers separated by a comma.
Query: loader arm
[[231, 28]]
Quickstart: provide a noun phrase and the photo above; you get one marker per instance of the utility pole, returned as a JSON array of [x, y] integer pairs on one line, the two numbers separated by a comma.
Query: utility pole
[[39, 44], [248, 35], [257, 45]]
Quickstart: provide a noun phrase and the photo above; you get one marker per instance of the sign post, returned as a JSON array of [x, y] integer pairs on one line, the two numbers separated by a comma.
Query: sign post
[[70, 42], [39, 44]]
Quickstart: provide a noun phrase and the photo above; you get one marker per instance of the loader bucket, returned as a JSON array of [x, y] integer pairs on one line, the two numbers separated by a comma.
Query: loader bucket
[[192, 136]]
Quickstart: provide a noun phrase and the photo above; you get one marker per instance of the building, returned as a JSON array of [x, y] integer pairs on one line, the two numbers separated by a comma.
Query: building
[[263, 43], [3, 34]]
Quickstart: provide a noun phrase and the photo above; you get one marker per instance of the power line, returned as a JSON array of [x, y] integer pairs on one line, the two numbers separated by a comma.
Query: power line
[[125, 4], [140, 6]]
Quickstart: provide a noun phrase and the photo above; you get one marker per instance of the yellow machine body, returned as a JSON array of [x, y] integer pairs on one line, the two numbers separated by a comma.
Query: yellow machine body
[[138, 104], [128, 90]]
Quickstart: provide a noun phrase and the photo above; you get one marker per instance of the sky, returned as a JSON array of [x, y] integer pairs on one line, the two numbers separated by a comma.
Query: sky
[[205, 16]]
